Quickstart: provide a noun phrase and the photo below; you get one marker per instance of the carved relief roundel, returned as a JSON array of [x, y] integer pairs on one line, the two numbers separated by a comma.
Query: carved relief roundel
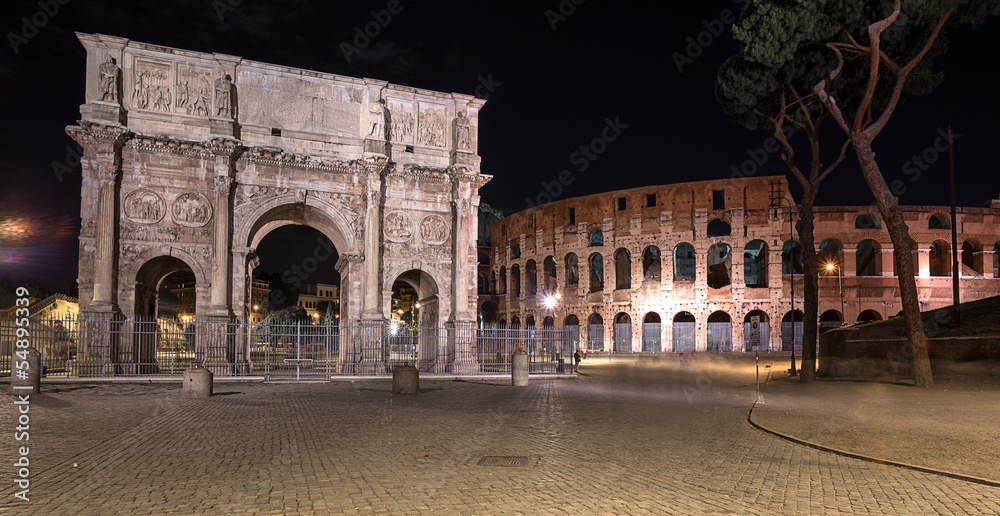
[[433, 230], [398, 227], [191, 209], [144, 206]]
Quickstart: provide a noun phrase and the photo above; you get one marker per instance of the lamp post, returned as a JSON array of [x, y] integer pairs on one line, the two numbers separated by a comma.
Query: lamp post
[[791, 267], [840, 287]]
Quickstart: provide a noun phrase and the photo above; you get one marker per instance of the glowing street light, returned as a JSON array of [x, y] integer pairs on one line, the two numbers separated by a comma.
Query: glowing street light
[[549, 302], [840, 286]]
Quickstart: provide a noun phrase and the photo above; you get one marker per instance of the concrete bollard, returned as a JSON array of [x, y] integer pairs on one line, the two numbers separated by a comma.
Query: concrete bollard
[[519, 368], [197, 383], [405, 380], [32, 383]]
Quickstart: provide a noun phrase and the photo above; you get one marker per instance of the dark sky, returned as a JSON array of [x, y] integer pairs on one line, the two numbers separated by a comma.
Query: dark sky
[[550, 91]]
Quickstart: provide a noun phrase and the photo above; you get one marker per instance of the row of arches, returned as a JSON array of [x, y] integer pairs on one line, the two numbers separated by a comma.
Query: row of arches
[[718, 325], [868, 262]]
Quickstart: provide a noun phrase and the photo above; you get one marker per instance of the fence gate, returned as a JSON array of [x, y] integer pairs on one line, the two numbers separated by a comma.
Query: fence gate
[[684, 333], [295, 350], [765, 336], [720, 336], [623, 338], [651, 337], [786, 336]]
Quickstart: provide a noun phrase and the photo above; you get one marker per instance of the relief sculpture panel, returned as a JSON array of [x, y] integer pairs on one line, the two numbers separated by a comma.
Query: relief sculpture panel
[[432, 126], [151, 86], [144, 206], [192, 210], [398, 227], [433, 230], [194, 90]]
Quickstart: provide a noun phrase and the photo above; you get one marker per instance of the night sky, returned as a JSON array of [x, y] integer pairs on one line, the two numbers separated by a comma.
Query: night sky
[[548, 92]]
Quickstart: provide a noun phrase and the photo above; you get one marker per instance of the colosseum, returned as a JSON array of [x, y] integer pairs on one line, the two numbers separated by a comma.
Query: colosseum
[[685, 267]]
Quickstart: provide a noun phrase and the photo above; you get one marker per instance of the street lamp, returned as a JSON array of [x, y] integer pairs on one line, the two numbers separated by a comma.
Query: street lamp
[[791, 267], [840, 286]]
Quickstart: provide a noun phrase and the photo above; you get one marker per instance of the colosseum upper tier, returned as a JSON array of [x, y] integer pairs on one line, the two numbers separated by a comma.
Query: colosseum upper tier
[[660, 268]]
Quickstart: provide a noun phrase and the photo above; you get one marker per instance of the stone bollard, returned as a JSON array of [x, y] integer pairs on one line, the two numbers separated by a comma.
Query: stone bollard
[[405, 380], [32, 383], [519, 368], [197, 383]]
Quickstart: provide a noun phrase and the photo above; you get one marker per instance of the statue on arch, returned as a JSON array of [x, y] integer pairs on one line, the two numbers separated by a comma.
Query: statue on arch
[[223, 92], [108, 80]]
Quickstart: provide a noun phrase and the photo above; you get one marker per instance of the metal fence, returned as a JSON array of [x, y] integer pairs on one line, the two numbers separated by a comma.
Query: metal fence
[[279, 350], [651, 337], [786, 336], [684, 336], [623, 338]]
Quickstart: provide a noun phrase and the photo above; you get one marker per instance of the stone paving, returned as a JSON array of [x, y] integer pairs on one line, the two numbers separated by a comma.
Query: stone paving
[[663, 438]]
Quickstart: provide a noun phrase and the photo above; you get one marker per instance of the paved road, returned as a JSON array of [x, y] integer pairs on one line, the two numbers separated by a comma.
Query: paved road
[[665, 438]]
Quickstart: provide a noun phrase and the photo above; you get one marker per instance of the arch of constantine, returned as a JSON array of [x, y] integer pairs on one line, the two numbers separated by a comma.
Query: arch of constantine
[[685, 267], [190, 159]]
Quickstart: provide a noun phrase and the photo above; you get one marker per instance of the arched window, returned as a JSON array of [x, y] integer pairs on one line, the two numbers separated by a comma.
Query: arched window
[[515, 281], [651, 333], [623, 333], [572, 269], [503, 281], [940, 259], [720, 332], [755, 264], [867, 221], [868, 258], [571, 333], [939, 221], [972, 258], [596, 272], [684, 332], [996, 260], [791, 257], [869, 316], [549, 272], [763, 331], [791, 331], [596, 238], [515, 250], [530, 278], [719, 228], [651, 263], [595, 333], [493, 282], [685, 266], [830, 253], [623, 269], [830, 319], [719, 265]]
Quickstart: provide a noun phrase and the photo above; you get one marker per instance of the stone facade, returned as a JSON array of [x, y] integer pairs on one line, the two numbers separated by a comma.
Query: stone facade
[[190, 159], [701, 258]]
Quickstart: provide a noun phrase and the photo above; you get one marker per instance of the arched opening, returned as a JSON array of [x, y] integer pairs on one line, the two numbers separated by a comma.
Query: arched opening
[[684, 332], [530, 279], [868, 258], [623, 333], [166, 337], [596, 272], [549, 273], [972, 258], [596, 238], [719, 228], [623, 269], [763, 331], [547, 339], [488, 314], [720, 332], [493, 282], [651, 332], [651, 263], [720, 262], [940, 259], [996, 260], [482, 284], [502, 282], [791, 331], [414, 335], [572, 270], [515, 280], [755, 264], [830, 319], [830, 252], [515, 323], [571, 332], [869, 316], [515, 250], [939, 221], [867, 221], [791, 257], [685, 264], [595, 333]]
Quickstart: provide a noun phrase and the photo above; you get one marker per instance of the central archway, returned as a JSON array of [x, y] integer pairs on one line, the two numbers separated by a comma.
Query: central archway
[[421, 339]]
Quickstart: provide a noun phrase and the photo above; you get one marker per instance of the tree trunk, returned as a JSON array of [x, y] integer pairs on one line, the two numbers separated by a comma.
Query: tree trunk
[[810, 294], [902, 258]]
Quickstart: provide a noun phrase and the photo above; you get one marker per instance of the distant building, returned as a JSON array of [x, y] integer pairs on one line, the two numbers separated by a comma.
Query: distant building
[[260, 293], [183, 287], [313, 294]]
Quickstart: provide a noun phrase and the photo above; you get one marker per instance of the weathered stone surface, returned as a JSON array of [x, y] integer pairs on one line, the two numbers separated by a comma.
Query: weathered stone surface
[[199, 156], [197, 383], [405, 380], [519, 368]]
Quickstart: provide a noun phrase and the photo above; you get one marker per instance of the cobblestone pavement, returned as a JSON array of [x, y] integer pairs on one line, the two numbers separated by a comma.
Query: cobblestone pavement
[[663, 438]]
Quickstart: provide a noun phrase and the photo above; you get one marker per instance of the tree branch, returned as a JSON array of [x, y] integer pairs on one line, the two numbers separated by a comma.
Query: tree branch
[[875, 36], [825, 98]]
